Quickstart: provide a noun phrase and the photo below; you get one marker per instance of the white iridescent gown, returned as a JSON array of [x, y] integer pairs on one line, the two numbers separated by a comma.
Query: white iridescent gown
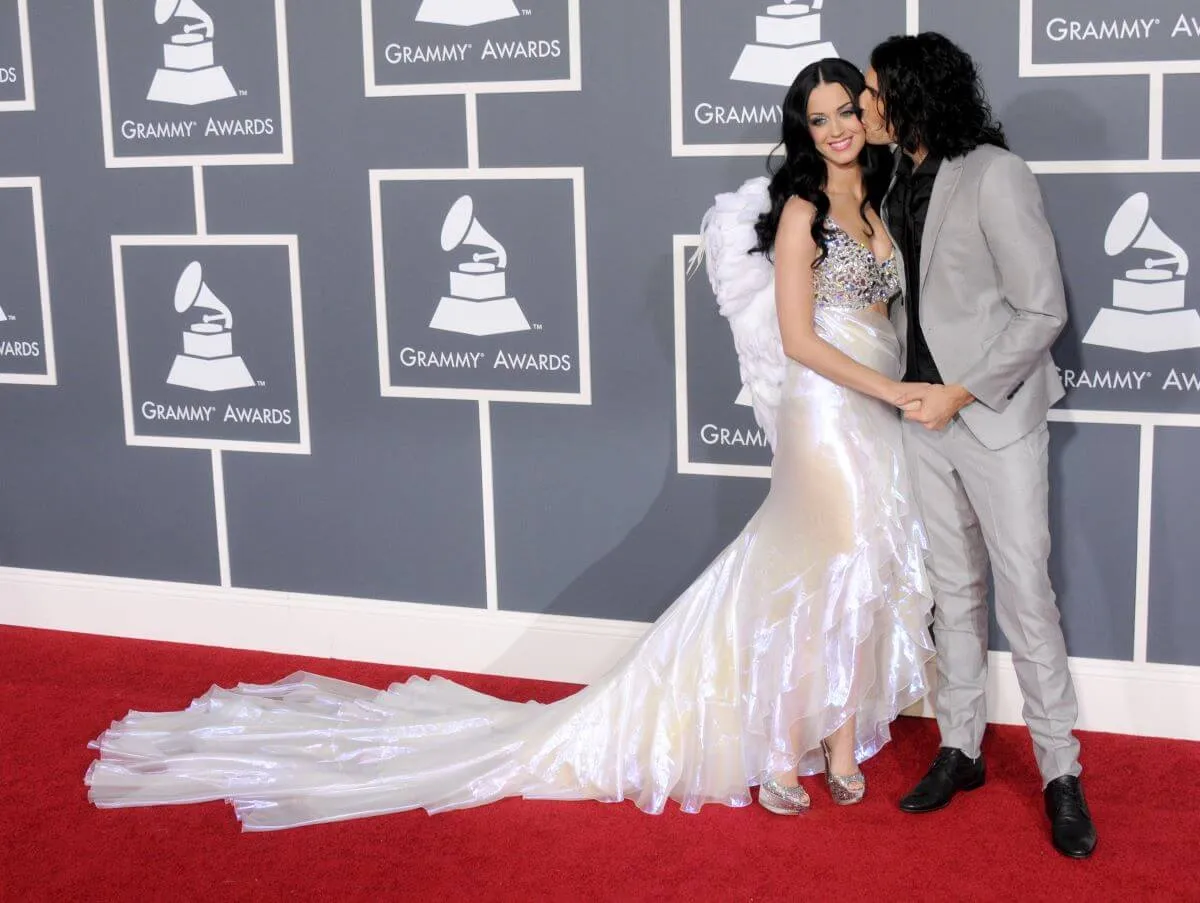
[[818, 611]]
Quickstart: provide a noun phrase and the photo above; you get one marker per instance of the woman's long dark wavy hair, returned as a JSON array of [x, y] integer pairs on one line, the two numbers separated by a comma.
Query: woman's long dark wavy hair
[[933, 97], [801, 170]]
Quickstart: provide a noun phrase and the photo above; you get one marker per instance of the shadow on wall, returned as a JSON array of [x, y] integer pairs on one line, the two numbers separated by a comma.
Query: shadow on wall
[[627, 573], [1037, 119], [1101, 639], [633, 581], [628, 578]]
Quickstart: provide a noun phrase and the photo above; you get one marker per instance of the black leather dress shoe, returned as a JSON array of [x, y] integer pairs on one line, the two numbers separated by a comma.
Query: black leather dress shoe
[[952, 771], [1070, 821]]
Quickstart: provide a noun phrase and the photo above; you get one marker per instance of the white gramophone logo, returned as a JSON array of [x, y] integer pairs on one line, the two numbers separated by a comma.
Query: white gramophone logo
[[3, 316], [207, 361], [189, 74], [786, 39], [1149, 311], [466, 12], [744, 399], [478, 303]]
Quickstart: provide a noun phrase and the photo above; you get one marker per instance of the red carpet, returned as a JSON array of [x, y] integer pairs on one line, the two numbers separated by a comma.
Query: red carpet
[[59, 690]]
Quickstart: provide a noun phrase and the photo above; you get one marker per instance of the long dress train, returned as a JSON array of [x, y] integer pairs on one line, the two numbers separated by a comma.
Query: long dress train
[[817, 612]]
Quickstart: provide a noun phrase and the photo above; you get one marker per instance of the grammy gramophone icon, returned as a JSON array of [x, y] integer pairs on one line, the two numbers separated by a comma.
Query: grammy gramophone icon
[[3, 315], [189, 74], [786, 40], [466, 12], [478, 303], [207, 361], [1149, 311]]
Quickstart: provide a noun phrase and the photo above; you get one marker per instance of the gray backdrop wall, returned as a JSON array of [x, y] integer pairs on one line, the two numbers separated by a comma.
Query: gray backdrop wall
[[253, 337]]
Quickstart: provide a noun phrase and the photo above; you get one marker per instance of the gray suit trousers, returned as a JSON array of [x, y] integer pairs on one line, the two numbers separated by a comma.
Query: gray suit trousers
[[982, 504]]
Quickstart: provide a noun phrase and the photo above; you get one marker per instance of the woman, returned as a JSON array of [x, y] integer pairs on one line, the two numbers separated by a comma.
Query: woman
[[790, 655]]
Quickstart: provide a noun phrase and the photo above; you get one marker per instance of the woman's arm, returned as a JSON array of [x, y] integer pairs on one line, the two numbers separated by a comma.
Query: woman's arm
[[795, 252]]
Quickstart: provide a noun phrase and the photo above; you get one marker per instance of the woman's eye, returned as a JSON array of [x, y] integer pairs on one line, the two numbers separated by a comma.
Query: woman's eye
[[819, 120]]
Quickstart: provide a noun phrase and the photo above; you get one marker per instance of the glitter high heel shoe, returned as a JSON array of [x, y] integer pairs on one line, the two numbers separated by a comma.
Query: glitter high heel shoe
[[774, 797], [846, 789]]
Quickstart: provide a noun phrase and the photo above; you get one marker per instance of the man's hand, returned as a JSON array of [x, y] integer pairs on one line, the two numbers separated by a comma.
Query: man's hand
[[937, 404]]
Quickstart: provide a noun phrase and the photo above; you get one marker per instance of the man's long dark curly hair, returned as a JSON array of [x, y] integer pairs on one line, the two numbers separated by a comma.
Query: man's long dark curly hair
[[933, 97], [801, 170]]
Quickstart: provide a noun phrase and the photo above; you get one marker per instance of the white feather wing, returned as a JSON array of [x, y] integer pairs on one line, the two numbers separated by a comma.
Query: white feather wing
[[744, 284]]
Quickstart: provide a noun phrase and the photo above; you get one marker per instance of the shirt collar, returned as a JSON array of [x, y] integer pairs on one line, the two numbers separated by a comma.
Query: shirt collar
[[929, 167]]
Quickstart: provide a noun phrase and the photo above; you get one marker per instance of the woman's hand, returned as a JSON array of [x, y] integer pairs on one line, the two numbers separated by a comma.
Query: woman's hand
[[903, 395]]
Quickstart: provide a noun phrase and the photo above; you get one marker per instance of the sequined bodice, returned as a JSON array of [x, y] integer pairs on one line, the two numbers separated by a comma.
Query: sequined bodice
[[851, 277]]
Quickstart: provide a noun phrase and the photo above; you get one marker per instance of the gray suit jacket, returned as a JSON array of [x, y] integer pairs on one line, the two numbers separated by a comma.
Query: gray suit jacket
[[992, 300]]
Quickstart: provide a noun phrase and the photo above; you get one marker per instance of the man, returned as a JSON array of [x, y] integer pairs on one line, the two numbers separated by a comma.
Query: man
[[983, 303]]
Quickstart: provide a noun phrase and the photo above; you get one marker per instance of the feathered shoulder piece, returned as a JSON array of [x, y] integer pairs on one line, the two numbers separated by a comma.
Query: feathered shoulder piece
[[744, 284]]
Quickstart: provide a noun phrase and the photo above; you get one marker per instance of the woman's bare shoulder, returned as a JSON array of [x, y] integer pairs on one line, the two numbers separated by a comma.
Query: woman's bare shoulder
[[795, 221]]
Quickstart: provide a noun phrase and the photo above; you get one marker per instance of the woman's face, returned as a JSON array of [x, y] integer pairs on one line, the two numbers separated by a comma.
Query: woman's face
[[834, 124], [874, 119]]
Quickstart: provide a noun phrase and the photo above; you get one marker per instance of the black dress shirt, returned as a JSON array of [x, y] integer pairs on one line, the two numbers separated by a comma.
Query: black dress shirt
[[907, 206]]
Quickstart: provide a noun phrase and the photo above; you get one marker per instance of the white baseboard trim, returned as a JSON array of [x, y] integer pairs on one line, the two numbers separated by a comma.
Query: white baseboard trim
[[1121, 697]]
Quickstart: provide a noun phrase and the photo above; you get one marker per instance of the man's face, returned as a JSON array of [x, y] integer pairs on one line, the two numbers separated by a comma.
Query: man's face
[[874, 118]]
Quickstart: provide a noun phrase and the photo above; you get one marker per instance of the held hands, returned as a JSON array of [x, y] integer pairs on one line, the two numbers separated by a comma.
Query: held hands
[[907, 396], [931, 405]]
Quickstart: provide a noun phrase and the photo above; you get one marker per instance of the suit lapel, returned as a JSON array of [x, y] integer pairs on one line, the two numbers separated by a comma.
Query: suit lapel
[[939, 202]]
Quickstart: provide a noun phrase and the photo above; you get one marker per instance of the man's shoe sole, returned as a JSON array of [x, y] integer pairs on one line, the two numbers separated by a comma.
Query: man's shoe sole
[[1063, 852]]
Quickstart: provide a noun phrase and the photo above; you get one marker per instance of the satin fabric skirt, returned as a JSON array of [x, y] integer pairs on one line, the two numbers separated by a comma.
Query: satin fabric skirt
[[817, 612]]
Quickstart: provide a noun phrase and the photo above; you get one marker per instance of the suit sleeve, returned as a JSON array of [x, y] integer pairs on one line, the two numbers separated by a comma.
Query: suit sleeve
[[1022, 247]]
